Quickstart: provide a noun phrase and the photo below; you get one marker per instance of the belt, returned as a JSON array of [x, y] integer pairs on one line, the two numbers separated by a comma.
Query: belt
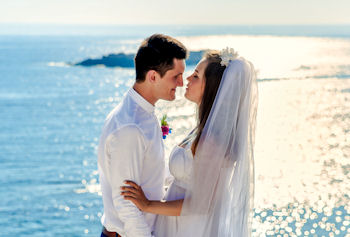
[[109, 234]]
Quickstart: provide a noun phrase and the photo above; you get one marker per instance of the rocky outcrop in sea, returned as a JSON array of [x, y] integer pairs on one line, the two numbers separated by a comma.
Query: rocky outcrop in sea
[[127, 60]]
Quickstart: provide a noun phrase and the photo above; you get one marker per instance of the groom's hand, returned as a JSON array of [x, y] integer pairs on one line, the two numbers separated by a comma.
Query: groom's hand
[[135, 194]]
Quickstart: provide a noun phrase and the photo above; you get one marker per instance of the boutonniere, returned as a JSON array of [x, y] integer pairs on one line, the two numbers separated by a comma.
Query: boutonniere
[[165, 126]]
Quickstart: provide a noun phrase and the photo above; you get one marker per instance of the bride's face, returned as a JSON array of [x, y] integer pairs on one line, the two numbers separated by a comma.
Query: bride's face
[[196, 83]]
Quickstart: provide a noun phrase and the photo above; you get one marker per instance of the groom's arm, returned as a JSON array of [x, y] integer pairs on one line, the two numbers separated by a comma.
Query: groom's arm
[[126, 148]]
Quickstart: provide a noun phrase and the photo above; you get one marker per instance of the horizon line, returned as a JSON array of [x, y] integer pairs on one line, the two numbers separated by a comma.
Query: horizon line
[[171, 24]]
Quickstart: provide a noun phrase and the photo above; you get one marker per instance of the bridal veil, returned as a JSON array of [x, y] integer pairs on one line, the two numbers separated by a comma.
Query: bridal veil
[[219, 199]]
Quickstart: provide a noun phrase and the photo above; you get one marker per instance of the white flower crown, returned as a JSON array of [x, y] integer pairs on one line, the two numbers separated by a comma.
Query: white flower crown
[[227, 55]]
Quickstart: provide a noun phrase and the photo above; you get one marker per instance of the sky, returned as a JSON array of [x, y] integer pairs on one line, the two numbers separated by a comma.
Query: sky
[[257, 12]]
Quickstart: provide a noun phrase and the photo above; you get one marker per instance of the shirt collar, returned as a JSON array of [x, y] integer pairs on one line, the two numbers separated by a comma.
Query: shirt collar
[[141, 101]]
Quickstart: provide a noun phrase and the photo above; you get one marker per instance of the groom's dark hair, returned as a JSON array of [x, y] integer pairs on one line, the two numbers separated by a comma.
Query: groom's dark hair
[[157, 52]]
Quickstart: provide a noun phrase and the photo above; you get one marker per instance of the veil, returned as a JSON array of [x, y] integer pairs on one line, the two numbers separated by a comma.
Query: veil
[[219, 199]]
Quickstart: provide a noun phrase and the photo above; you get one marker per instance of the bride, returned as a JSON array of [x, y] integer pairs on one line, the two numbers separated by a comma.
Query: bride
[[212, 193]]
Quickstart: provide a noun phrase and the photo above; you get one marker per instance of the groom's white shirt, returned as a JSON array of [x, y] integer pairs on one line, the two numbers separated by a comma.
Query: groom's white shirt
[[130, 148]]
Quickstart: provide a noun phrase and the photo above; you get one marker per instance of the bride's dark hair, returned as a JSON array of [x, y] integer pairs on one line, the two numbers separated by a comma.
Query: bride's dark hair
[[212, 77]]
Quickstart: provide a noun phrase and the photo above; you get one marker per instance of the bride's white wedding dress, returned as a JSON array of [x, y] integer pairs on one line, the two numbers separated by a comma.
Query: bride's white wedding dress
[[180, 166]]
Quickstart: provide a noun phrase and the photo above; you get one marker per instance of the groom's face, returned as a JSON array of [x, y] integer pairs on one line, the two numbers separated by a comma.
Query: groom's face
[[166, 85]]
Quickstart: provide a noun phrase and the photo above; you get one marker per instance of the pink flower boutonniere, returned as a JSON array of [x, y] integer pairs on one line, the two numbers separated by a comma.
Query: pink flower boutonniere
[[165, 126]]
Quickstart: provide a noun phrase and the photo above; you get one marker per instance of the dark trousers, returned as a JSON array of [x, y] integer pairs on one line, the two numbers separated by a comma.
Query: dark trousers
[[103, 235], [106, 233]]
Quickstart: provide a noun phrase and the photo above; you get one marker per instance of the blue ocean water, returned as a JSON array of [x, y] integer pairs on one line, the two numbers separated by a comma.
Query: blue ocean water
[[51, 115]]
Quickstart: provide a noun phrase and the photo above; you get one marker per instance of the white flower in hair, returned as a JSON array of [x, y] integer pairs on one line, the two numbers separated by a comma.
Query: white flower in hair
[[228, 55]]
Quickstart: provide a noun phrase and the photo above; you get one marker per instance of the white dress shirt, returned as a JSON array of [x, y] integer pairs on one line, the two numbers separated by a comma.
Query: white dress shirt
[[130, 148]]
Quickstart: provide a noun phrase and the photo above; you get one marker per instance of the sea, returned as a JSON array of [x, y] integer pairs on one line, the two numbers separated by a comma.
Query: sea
[[51, 115]]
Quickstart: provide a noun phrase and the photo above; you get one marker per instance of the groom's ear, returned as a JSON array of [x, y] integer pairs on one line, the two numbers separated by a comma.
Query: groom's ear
[[151, 76]]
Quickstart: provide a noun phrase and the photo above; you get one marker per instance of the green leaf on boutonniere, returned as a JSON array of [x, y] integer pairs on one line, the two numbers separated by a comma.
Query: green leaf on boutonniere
[[163, 122]]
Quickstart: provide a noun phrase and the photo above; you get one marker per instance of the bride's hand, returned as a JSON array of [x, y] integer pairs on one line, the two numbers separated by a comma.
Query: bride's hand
[[134, 193]]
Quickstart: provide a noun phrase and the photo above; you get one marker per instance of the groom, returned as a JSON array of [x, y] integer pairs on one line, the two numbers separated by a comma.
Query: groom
[[131, 146]]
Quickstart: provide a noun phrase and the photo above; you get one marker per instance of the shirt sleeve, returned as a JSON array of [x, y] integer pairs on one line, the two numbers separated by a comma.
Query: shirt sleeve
[[126, 149]]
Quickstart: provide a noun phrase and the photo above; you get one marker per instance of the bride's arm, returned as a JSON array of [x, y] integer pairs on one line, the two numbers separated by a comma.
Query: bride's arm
[[166, 208], [134, 193]]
